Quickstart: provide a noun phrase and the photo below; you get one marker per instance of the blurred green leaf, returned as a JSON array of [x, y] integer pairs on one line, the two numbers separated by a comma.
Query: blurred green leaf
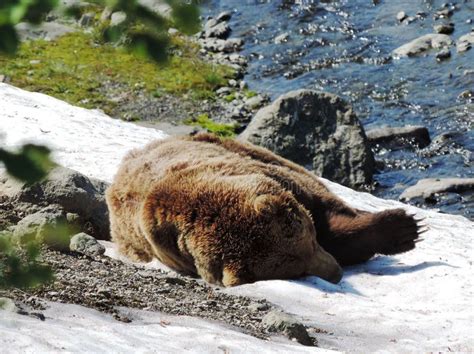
[[155, 47], [37, 9], [73, 11], [32, 163], [151, 19], [8, 39], [185, 15], [19, 266]]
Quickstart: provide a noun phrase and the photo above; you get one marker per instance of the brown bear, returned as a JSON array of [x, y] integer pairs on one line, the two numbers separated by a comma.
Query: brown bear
[[235, 213]]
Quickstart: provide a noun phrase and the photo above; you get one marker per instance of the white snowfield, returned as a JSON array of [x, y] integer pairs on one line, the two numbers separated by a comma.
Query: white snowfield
[[421, 301]]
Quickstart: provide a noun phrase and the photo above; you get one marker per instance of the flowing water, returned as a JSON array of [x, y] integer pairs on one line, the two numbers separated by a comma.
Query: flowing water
[[344, 47]]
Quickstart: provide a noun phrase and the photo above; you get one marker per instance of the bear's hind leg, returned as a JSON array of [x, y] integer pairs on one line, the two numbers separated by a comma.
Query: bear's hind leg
[[356, 239]]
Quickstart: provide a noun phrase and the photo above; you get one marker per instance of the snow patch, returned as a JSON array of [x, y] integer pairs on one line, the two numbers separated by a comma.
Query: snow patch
[[415, 302]]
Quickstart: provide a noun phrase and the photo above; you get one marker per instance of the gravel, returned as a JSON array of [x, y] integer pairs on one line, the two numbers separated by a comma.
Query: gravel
[[105, 284]]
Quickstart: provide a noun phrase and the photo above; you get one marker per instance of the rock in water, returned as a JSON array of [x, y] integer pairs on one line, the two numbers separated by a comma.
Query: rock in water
[[422, 44], [86, 244], [426, 188], [401, 16], [444, 28], [443, 55], [465, 42], [399, 136], [317, 130]]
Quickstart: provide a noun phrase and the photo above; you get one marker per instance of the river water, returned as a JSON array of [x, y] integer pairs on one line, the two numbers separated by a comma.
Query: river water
[[344, 47]]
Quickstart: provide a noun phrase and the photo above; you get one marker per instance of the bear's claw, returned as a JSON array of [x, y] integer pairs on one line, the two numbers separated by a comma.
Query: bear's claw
[[397, 232]]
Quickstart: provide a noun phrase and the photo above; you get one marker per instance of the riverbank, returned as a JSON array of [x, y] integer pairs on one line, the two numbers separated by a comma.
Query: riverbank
[[347, 48]]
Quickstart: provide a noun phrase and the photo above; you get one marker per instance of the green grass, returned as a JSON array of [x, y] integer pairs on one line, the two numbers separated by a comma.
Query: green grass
[[229, 98], [223, 130], [249, 93], [74, 67]]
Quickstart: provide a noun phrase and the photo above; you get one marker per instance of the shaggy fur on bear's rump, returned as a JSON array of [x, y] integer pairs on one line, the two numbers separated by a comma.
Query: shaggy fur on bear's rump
[[235, 213]]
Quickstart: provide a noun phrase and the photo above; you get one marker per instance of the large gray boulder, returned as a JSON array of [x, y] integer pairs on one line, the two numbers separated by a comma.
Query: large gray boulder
[[317, 130], [80, 199]]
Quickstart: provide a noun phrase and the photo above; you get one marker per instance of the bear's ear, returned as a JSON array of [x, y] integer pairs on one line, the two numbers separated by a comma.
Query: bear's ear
[[269, 204], [265, 203]]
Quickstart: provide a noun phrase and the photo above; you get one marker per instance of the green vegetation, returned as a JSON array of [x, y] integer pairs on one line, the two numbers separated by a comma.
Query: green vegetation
[[74, 68], [249, 93], [19, 265], [150, 38], [230, 97], [223, 130], [30, 164]]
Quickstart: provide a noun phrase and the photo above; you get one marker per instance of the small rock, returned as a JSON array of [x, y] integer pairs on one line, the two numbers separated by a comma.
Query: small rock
[[256, 307], [444, 28], [224, 46], [232, 83], [465, 95], [224, 91], [401, 16], [173, 31], [86, 244], [238, 59], [282, 38], [426, 188], [221, 30], [399, 136], [443, 13], [468, 72], [243, 85], [409, 20], [277, 321], [73, 218], [87, 19], [421, 14], [5, 79], [224, 16], [254, 102], [117, 18], [443, 55], [106, 14]]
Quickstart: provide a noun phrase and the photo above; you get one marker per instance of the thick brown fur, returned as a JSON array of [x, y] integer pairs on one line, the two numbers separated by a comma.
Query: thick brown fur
[[235, 213]]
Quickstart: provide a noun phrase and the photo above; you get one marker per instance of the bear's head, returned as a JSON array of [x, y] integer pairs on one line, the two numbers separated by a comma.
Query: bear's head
[[288, 247]]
